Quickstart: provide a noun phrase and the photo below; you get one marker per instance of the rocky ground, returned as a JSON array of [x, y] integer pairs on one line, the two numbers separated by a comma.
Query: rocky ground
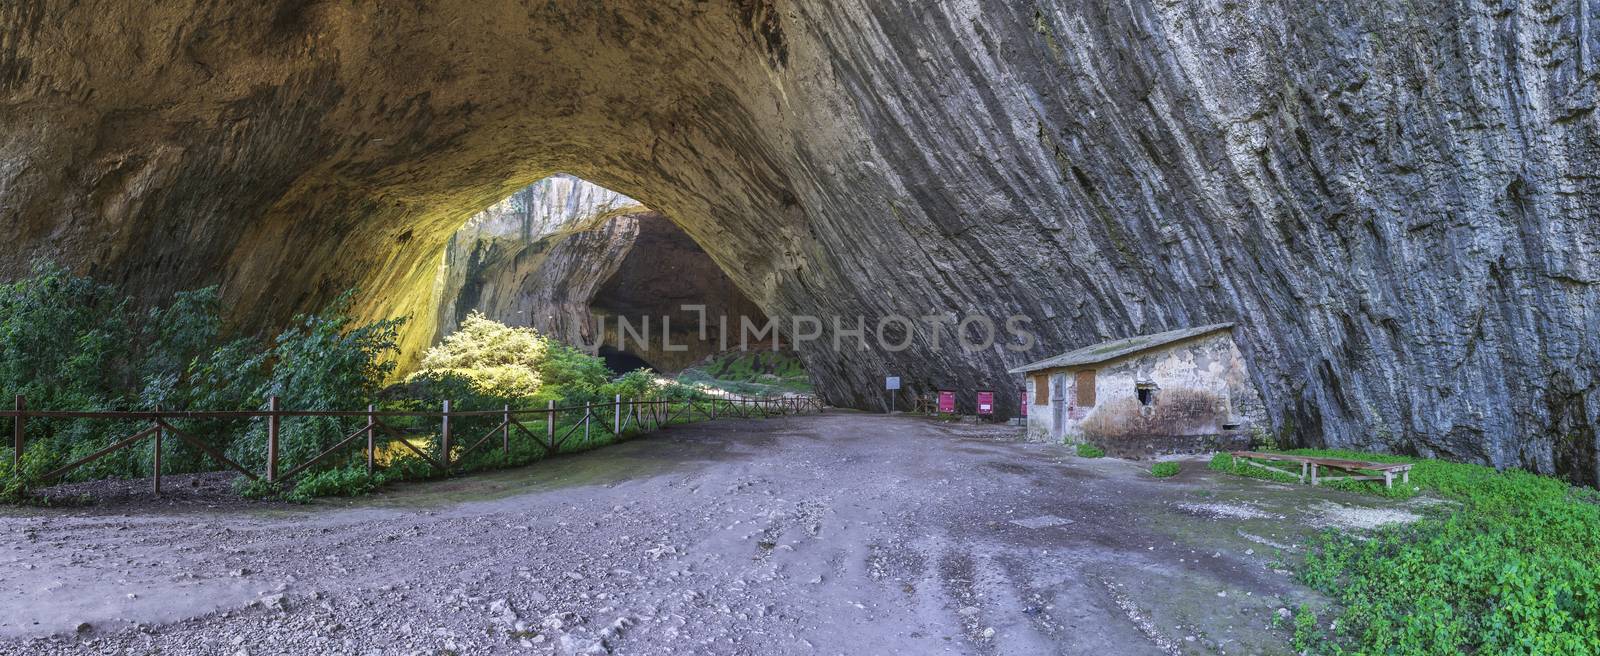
[[843, 533]]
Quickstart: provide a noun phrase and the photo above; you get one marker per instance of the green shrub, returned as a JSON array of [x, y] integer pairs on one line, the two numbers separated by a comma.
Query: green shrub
[[325, 361], [499, 360], [1087, 450], [340, 482], [1165, 469], [1308, 636], [567, 370], [70, 343]]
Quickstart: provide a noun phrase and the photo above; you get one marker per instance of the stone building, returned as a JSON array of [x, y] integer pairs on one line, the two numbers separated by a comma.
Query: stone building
[[1178, 391]]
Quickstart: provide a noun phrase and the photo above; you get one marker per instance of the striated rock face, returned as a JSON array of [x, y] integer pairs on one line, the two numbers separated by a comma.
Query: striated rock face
[[571, 259], [1396, 203]]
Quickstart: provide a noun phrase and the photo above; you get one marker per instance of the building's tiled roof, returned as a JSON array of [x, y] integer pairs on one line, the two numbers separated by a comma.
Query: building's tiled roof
[[1107, 351]]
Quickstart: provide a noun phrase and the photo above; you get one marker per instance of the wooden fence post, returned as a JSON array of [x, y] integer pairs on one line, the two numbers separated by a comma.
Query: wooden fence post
[[155, 468], [19, 435], [550, 424], [372, 447], [272, 438], [616, 418], [505, 433], [588, 413], [444, 436]]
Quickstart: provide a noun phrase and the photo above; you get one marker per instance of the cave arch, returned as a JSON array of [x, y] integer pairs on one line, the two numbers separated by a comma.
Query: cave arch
[[577, 261], [1178, 164]]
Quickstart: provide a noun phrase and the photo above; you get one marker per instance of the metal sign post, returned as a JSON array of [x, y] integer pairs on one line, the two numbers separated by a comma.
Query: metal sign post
[[891, 383]]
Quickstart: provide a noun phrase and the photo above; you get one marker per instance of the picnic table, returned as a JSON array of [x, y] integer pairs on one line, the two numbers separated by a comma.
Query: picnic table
[[1310, 466]]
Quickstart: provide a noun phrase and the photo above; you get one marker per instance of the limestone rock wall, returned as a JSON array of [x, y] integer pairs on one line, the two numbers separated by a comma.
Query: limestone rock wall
[[1395, 202]]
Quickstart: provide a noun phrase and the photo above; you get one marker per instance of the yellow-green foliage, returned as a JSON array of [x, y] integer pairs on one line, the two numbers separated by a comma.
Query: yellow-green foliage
[[500, 360]]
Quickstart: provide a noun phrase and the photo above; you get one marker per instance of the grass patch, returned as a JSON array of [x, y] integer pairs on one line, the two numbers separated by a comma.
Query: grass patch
[[1087, 450], [1222, 462], [750, 373], [1165, 469], [1507, 569]]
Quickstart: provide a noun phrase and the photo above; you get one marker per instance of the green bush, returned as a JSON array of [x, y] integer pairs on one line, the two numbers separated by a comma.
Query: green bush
[[70, 343], [255, 488], [1507, 568], [499, 360], [1087, 450], [567, 370], [325, 361], [346, 481], [339, 482], [1165, 469]]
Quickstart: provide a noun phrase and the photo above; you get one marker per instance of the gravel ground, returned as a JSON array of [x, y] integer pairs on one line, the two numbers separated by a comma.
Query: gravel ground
[[843, 533]]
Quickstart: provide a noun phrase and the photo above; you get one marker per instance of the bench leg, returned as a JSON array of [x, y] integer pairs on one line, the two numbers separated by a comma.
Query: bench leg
[[1314, 474], [1388, 480], [1405, 477], [1302, 473]]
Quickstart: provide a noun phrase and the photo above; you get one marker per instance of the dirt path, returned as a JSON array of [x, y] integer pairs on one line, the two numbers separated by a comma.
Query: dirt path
[[842, 533]]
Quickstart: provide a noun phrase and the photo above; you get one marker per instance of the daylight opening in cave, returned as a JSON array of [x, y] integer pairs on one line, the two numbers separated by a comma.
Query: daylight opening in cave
[[596, 269]]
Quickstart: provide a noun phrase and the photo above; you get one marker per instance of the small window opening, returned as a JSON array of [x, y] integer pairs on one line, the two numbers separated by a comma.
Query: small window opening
[[1146, 393], [1084, 383]]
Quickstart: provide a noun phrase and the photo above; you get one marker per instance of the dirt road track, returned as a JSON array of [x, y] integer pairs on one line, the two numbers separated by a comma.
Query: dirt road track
[[843, 533]]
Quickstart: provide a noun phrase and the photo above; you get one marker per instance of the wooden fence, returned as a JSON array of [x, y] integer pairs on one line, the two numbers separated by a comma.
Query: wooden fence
[[614, 418]]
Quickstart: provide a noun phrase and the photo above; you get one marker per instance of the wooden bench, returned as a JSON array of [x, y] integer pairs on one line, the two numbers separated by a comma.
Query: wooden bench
[[1309, 466]]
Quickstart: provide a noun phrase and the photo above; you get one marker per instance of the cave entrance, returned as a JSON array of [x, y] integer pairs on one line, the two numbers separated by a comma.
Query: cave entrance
[[621, 362], [577, 261]]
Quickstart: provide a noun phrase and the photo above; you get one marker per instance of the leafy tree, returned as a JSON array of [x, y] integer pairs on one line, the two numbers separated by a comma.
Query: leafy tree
[[68, 342], [498, 359], [324, 361], [567, 370], [63, 340]]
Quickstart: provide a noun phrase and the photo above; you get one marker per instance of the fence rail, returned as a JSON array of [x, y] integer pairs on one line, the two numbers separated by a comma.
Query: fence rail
[[615, 418]]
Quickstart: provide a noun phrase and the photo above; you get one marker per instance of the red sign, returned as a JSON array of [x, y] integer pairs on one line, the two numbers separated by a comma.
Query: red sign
[[1023, 394], [985, 403], [947, 402]]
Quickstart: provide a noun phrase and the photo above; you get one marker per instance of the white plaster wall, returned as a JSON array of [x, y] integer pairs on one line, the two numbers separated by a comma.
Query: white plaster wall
[[1211, 364]]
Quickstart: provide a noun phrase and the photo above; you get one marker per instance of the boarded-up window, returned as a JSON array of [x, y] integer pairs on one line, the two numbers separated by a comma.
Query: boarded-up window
[[1085, 384], [1041, 390]]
